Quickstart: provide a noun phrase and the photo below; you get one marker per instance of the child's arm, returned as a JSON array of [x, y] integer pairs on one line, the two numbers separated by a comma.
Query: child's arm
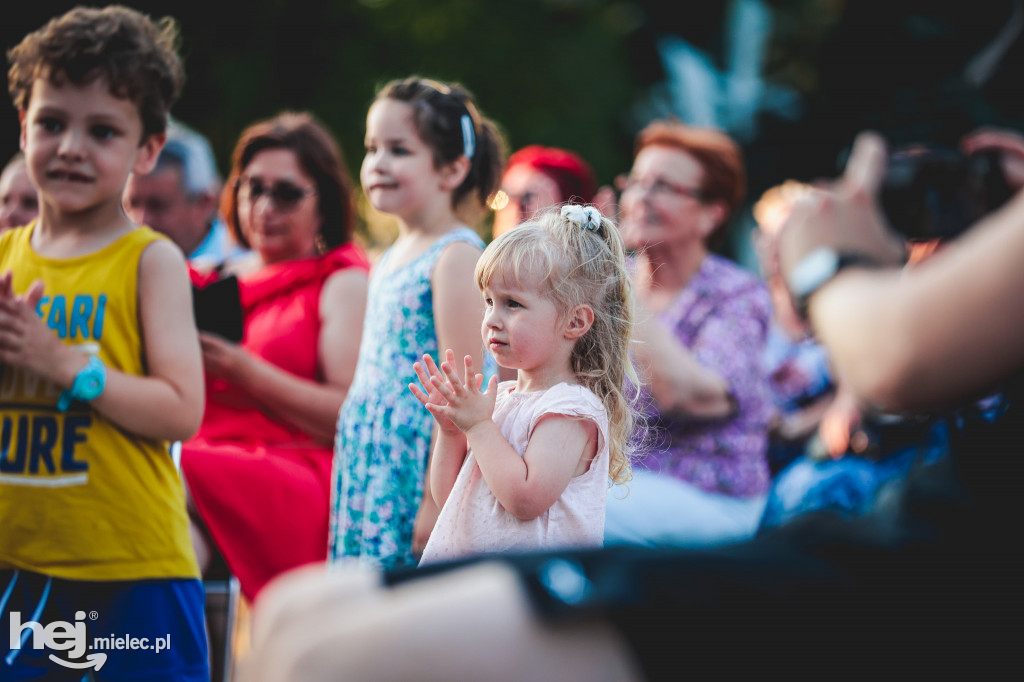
[[525, 486], [458, 305], [458, 312], [167, 402], [450, 447], [309, 405]]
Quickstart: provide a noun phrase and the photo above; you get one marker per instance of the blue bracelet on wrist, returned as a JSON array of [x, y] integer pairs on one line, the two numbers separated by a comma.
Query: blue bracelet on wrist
[[88, 384]]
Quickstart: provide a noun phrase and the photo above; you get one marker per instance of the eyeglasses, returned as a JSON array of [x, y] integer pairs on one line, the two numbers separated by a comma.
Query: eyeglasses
[[663, 187], [523, 202], [284, 195]]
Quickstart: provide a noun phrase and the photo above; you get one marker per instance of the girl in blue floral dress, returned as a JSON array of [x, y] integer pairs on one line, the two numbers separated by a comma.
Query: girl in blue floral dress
[[429, 154]]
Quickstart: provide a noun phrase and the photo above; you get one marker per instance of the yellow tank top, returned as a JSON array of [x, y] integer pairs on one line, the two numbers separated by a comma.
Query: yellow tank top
[[80, 498]]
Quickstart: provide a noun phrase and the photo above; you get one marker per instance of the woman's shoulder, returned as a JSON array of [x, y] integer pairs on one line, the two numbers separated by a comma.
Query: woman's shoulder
[[722, 279], [346, 271], [728, 276], [345, 286], [347, 255]]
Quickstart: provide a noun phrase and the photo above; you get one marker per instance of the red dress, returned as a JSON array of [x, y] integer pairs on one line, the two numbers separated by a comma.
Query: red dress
[[260, 485]]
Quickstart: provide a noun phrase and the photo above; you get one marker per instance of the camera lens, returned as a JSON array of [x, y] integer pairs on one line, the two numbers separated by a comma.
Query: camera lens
[[934, 192]]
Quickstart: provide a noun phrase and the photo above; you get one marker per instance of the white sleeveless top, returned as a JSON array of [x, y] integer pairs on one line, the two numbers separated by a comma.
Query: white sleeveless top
[[472, 520]]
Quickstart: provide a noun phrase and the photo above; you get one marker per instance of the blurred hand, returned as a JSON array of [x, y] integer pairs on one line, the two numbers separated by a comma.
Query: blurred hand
[[844, 216], [1009, 142], [26, 340], [7, 285], [838, 423], [223, 359]]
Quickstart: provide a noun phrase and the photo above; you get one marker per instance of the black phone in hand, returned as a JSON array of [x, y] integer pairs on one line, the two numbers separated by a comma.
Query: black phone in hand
[[218, 308]]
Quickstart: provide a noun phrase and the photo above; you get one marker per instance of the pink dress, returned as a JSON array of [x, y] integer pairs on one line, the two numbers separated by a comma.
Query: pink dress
[[472, 520]]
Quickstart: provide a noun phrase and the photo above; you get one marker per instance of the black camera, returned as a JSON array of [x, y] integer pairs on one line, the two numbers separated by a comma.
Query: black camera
[[935, 192]]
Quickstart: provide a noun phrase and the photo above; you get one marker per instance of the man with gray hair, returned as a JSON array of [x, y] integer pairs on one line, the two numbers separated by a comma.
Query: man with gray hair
[[179, 198]]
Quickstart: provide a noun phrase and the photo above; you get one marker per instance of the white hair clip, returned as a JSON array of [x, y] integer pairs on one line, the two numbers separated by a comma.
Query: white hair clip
[[587, 217]]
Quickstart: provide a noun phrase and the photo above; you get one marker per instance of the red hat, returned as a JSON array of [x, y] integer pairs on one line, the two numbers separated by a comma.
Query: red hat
[[574, 176]]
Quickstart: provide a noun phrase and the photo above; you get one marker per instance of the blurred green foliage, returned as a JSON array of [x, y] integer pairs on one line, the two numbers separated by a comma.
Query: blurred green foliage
[[547, 71], [578, 73]]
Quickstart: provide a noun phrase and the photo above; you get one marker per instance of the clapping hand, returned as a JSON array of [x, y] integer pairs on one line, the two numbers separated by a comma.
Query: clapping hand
[[431, 394], [455, 399], [25, 340]]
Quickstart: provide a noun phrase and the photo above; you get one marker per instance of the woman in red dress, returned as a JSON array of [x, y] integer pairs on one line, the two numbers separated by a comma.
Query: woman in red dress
[[258, 471]]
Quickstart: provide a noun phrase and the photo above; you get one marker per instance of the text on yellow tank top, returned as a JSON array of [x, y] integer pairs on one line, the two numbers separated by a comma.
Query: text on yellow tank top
[[80, 498]]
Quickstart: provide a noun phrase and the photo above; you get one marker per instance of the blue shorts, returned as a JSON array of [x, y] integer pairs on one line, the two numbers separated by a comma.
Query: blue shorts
[[120, 630]]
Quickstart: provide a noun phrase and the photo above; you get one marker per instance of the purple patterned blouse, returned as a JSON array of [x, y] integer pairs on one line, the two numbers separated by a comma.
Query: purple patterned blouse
[[722, 316]]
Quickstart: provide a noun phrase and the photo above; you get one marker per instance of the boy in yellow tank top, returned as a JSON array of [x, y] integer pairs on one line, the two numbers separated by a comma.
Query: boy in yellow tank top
[[99, 368]]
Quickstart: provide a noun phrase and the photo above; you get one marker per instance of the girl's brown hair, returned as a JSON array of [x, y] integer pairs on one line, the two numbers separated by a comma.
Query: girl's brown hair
[[438, 111]]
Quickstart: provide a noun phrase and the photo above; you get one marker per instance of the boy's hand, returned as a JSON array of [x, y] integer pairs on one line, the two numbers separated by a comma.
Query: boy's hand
[[26, 341], [7, 285], [430, 394], [467, 406]]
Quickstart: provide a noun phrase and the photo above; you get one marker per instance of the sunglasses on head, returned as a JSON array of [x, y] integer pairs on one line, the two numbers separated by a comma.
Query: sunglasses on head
[[284, 195]]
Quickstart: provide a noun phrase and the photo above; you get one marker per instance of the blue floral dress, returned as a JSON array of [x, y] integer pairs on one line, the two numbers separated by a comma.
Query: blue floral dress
[[383, 435]]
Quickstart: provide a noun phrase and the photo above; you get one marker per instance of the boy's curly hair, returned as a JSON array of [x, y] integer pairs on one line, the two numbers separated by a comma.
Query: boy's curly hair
[[137, 55]]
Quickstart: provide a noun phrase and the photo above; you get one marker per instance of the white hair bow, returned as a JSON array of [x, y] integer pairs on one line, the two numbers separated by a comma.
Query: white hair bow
[[587, 217]]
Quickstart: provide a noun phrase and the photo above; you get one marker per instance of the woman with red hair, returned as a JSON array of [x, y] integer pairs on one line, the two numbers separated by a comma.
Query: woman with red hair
[[539, 177], [702, 322]]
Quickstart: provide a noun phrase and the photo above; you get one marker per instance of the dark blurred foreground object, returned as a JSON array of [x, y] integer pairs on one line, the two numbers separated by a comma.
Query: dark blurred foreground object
[[926, 582], [936, 192], [913, 70]]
